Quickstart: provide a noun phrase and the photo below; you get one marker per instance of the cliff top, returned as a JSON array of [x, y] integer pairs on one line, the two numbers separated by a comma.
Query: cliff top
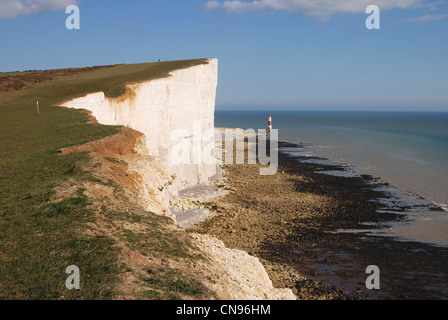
[[42, 233], [53, 86]]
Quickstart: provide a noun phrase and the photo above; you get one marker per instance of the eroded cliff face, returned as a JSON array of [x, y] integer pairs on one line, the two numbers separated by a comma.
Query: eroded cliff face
[[156, 116], [169, 112]]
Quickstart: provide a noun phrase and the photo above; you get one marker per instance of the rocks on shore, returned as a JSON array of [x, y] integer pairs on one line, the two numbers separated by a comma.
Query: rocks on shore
[[241, 276]]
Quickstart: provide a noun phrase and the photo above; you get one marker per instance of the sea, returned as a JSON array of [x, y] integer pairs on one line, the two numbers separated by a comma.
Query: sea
[[408, 151]]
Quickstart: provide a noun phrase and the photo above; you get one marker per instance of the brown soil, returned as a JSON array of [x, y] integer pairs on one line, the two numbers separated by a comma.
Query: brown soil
[[114, 197], [288, 221], [199, 260], [112, 147], [19, 80]]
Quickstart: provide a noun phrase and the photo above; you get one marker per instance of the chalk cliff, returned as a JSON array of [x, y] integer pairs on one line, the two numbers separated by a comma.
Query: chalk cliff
[[165, 117], [171, 112]]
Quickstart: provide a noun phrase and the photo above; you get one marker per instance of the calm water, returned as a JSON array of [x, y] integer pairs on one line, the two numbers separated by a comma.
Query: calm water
[[407, 150]]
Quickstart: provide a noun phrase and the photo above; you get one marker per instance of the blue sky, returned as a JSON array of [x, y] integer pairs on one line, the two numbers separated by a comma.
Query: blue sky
[[282, 54]]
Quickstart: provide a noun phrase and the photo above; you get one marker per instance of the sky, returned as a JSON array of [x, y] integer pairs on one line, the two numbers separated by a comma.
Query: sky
[[273, 54]]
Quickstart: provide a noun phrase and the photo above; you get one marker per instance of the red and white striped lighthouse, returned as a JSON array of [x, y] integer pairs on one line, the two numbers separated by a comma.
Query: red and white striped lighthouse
[[270, 123]]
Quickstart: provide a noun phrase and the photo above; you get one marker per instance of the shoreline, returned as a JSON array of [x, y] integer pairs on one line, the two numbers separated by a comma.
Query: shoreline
[[289, 221], [423, 220]]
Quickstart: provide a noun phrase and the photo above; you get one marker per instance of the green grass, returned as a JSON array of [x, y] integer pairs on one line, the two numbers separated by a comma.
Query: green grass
[[40, 238], [115, 160], [111, 81], [152, 295], [156, 240], [171, 287]]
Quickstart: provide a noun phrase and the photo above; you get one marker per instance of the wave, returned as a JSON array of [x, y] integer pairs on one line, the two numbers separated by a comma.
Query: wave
[[443, 206]]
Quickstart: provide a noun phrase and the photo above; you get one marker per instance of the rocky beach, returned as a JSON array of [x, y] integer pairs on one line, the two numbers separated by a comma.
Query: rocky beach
[[292, 222]]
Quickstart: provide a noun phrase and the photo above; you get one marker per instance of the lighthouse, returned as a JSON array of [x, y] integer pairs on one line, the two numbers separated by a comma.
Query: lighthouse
[[270, 123]]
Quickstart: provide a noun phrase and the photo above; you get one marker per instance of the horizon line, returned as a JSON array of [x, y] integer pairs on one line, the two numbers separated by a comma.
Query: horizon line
[[266, 109]]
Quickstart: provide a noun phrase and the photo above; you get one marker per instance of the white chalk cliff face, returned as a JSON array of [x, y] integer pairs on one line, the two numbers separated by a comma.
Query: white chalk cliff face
[[167, 111]]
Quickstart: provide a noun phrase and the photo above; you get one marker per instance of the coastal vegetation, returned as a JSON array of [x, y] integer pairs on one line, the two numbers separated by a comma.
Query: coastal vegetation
[[43, 230]]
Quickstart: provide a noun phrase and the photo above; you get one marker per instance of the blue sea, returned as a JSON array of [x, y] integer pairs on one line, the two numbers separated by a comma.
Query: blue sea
[[408, 150]]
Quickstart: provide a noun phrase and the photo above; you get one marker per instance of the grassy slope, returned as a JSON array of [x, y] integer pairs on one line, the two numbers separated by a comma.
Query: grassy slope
[[39, 240]]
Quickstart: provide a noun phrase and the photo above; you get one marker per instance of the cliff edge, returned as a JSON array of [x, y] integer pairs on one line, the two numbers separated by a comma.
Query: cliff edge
[[168, 111], [159, 116]]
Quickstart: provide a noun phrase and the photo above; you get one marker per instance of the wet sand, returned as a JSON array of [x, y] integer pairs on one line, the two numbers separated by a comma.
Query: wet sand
[[290, 222]]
